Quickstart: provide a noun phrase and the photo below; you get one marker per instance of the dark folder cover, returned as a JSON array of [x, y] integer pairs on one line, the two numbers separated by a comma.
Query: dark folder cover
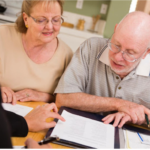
[[89, 115]]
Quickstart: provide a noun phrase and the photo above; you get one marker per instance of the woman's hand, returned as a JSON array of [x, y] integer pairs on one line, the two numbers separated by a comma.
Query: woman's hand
[[32, 95], [36, 120], [120, 118], [30, 143], [8, 95]]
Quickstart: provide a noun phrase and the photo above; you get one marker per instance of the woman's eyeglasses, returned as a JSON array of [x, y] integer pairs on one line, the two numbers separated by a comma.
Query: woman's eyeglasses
[[57, 21]]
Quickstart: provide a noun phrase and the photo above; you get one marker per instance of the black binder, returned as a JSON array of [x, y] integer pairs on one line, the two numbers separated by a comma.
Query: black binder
[[89, 115], [138, 129], [94, 116]]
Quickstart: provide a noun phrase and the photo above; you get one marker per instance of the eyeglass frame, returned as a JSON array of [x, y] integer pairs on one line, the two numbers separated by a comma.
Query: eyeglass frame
[[47, 20], [119, 50]]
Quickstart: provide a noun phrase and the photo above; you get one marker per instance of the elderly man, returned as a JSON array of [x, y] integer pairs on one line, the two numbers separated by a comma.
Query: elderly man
[[111, 75]]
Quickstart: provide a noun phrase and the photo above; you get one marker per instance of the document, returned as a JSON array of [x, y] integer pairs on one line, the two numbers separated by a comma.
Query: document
[[85, 131], [18, 147], [18, 109], [133, 140]]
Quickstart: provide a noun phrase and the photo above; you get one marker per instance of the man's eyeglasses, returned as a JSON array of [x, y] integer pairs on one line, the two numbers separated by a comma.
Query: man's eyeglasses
[[128, 57], [43, 21]]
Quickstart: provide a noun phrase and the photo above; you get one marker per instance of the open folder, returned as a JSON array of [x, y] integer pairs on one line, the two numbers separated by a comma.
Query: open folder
[[85, 130]]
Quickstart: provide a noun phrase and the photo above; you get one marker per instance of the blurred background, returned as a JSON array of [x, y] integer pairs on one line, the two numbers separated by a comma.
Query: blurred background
[[84, 18]]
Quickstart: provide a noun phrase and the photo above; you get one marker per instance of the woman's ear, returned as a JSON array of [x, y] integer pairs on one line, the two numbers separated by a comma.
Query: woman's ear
[[25, 18]]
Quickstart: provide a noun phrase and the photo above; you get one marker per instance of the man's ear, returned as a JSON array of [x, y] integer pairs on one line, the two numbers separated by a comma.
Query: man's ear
[[148, 52], [115, 27]]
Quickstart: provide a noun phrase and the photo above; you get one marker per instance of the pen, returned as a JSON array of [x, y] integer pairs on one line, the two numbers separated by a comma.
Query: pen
[[146, 117], [142, 141], [140, 137], [47, 140]]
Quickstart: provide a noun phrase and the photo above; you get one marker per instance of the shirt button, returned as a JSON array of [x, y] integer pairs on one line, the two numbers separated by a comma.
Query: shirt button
[[119, 87], [117, 77]]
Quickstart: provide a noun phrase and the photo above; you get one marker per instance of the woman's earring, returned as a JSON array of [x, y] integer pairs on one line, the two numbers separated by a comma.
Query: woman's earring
[[26, 26]]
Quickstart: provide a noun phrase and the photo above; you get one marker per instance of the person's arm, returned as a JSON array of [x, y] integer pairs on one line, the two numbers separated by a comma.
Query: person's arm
[[18, 125], [87, 102], [34, 121], [92, 103], [9, 96], [5, 141], [33, 95]]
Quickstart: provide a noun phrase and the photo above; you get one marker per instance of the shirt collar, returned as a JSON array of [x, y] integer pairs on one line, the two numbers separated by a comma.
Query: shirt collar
[[143, 69]]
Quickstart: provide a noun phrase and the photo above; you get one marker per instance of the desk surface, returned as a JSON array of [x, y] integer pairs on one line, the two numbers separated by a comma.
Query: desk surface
[[37, 136]]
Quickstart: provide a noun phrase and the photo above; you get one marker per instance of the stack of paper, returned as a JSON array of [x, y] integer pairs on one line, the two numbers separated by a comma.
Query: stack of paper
[[85, 131], [133, 140], [18, 109]]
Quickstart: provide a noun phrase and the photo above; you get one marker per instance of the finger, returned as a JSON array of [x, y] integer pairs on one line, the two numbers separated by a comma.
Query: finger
[[50, 124], [9, 97], [38, 106], [25, 99], [141, 117], [110, 119], [105, 118], [124, 120], [21, 95], [53, 107], [147, 111], [4, 97], [30, 143], [55, 115], [46, 146], [117, 119], [14, 99], [133, 117]]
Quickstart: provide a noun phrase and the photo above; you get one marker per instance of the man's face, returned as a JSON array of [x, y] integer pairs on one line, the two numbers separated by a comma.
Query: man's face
[[127, 44]]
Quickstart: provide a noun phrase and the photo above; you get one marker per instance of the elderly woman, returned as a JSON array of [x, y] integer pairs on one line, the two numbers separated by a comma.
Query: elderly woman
[[32, 57]]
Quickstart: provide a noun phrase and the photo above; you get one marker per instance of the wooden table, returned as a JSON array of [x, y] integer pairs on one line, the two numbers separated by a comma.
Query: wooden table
[[37, 136]]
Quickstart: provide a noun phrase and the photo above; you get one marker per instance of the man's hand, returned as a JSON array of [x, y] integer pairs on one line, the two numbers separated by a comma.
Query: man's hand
[[30, 143], [135, 111], [119, 118], [8, 95], [36, 120], [32, 95]]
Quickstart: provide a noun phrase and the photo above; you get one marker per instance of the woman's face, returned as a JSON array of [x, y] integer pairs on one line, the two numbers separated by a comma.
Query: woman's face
[[43, 31]]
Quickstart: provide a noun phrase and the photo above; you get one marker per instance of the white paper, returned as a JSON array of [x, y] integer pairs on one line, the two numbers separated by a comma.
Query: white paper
[[18, 147], [18, 109], [134, 141], [85, 131]]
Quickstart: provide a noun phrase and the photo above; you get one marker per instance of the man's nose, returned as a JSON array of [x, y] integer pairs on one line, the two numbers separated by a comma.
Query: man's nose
[[119, 56]]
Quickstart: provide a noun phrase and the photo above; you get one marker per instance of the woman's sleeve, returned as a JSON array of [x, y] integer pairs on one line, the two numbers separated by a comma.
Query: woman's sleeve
[[5, 141], [11, 124], [18, 125]]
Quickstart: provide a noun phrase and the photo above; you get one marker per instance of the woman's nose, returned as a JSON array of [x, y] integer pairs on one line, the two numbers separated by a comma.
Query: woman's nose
[[49, 25]]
